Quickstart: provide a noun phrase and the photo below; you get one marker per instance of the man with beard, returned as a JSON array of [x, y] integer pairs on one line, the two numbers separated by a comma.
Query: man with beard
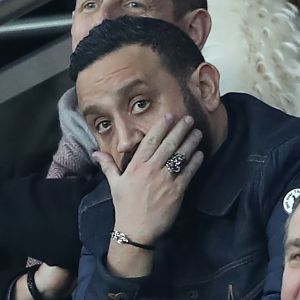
[[168, 224], [73, 158], [77, 144]]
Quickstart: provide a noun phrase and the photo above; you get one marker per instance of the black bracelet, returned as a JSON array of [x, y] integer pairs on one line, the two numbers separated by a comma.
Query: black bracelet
[[146, 247], [121, 238], [36, 295]]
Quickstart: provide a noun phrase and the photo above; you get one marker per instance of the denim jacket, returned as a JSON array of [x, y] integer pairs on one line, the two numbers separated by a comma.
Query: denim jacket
[[227, 242]]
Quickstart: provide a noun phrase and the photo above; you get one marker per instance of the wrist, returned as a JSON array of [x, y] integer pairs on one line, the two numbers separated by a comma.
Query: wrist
[[20, 289], [121, 238], [128, 262], [42, 284], [138, 235], [39, 282], [54, 282]]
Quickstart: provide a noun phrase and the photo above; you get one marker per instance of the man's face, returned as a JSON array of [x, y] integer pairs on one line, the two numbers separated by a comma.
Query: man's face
[[89, 13], [291, 275], [124, 94]]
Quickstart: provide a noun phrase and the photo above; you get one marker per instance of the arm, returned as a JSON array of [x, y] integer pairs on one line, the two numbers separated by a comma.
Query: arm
[[144, 207], [45, 214], [96, 282], [51, 282]]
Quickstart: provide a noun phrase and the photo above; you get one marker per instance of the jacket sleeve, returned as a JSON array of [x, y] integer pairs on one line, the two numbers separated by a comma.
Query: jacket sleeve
[[38, 218], [95, 282], [275, 236]]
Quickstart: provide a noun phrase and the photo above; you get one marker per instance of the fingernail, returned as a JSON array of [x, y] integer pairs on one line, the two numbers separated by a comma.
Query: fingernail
[[189, 120]]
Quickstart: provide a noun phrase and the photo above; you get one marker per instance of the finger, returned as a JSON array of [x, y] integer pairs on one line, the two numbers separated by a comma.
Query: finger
[[153, 138], [108, 166], [172, 141], [191, 144], [189, 171]]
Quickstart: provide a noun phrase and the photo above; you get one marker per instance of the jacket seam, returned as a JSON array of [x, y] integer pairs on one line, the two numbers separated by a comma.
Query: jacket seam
[[230, 266]]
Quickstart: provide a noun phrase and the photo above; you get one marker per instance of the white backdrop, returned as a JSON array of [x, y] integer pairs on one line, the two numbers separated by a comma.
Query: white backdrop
[[256, 46]]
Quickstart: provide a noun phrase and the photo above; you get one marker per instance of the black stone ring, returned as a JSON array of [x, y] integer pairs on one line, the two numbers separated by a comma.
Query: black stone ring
[[175, 163]]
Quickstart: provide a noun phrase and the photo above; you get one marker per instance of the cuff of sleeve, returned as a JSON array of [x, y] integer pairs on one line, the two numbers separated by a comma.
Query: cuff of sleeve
[[119, 288]]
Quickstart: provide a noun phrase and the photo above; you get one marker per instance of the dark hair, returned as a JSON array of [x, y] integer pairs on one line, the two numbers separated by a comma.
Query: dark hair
[[181, 7], [177, 51]]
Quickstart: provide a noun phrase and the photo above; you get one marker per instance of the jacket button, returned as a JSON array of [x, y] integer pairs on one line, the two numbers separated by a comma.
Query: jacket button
[[193, 295]]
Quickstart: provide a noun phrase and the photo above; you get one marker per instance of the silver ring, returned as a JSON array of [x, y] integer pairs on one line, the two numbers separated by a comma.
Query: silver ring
[[175, 163]]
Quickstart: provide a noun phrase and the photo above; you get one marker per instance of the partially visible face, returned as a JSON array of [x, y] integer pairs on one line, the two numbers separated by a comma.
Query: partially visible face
[[291, 275], [124, 94], [89, 13]]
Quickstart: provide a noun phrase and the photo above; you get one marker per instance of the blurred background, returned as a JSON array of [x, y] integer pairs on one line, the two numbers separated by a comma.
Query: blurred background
[[34, 56]]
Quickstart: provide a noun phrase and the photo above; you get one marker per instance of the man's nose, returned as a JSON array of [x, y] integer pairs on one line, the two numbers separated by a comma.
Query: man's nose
[[108, 10], [128, 139]]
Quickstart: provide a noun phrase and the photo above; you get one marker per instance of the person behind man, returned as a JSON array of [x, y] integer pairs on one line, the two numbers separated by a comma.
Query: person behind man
[[182, 227], [291, 274]]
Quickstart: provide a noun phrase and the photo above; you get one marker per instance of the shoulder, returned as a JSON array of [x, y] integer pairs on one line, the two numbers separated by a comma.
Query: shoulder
[[272, 139], [267, 128]]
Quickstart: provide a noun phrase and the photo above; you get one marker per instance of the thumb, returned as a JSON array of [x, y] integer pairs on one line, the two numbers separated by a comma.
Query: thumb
[[108, 166]]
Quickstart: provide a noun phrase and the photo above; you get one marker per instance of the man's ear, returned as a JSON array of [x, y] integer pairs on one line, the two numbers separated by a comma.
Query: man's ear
[[197, 24], [204, 84]]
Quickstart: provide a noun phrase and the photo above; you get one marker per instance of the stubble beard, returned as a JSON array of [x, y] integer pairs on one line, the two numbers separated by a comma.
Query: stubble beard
[[195, 110]]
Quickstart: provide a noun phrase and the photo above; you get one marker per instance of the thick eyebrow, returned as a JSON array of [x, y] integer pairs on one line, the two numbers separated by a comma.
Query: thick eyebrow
[[128, 86], [91, 109], [120, 92], [78, 3], [295, 243]]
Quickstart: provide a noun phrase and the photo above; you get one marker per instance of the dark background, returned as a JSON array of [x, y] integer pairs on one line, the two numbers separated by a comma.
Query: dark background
[[29, 127]]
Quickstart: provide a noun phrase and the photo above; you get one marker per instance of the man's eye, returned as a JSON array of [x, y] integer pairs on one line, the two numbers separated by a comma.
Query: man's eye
[[89, 5], [140, 106], [135, 5], [103, 126], [295, 257]]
